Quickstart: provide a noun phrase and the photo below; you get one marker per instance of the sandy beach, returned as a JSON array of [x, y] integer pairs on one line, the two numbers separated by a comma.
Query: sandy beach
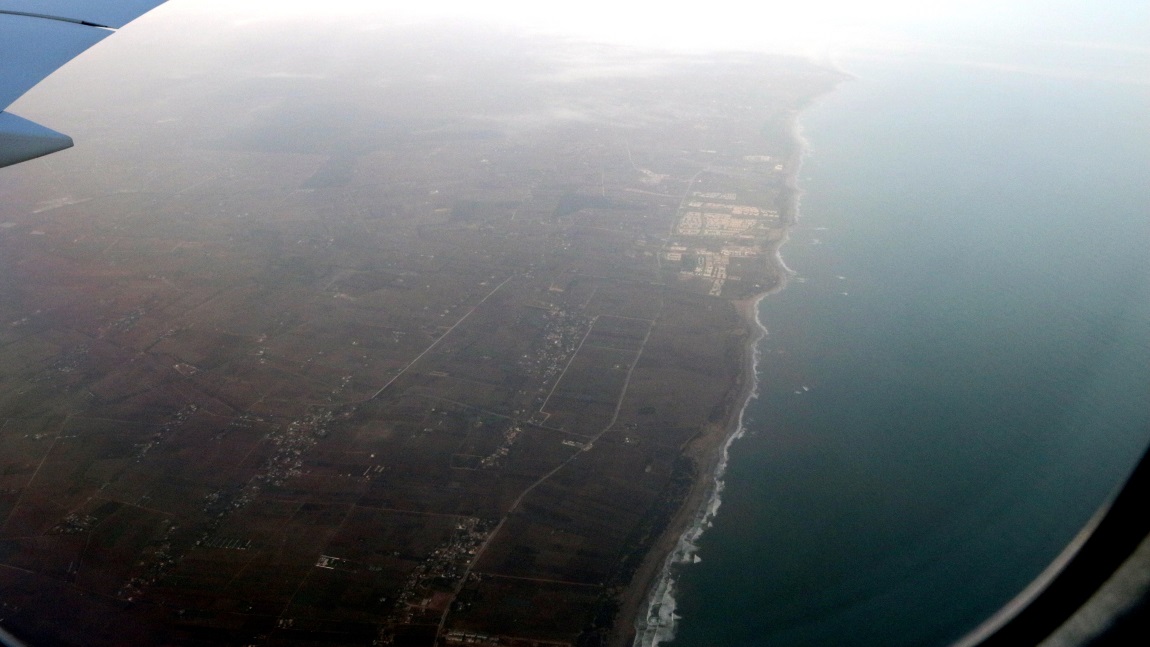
[[709, 452]]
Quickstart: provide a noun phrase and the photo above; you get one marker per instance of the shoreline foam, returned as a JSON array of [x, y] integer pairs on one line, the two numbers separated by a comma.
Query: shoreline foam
[[656, 621], [658, 624]]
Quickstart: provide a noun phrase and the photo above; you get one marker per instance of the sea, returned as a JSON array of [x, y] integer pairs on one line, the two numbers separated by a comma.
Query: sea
[[955, 377]]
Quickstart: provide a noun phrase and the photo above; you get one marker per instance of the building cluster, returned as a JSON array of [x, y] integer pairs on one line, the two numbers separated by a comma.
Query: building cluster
[[290, 442], [495, 458], [152, 568], [469, 638], [74, 524], [331, 563], [124, 323], [709, 223], [561, 339], [718, 217], [165, 430], [422, 593], [722, 219]]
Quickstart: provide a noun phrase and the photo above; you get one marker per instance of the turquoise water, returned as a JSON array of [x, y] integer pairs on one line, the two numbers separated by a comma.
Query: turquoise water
[[971, 323]]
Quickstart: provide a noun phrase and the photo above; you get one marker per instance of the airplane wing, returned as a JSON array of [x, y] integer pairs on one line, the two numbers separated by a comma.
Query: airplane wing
[[36, 38]]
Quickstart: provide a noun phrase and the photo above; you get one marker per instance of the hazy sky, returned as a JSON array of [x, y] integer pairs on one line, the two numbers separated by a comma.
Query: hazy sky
[[1081, 37], [761, 25]]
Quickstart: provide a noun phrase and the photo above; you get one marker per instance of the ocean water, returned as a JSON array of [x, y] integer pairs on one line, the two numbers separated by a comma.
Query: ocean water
[[958, 374]]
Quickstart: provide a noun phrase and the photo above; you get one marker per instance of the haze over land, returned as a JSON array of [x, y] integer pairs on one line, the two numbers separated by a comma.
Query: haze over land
[[401, 334], [411, 322]]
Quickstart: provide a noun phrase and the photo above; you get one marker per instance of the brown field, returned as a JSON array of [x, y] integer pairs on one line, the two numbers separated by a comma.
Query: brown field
[[447, 382]]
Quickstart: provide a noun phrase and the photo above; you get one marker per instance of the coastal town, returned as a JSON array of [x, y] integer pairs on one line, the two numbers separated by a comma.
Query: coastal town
[[745, 232]]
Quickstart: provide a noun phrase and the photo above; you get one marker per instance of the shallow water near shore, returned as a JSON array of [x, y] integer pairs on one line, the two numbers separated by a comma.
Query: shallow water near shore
[[957, 376]]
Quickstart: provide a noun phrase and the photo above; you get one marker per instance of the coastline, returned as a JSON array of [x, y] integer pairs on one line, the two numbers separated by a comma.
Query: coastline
[[646, 615], [649, 605], [735, 603]]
